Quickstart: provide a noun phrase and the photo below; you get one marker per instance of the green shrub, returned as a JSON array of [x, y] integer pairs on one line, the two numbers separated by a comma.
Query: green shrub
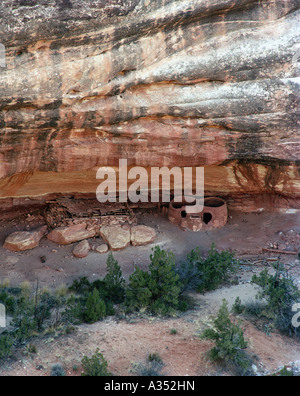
[[254, 308], [237, 307], [95, 308], [164, 283], [81, 286], [57, 371], [152, 367], [157, 290], [149, 369], [111, 289], [207, 274], [154, 357], [114, 281], [6, 344], [138, 294], [229, 342], [23, 319], [44, 306], [31, 349], [284, 372], [8, 300], [73, 312], [215, 269], [96, 366], [188, 271], [280, 293], [32, 309]]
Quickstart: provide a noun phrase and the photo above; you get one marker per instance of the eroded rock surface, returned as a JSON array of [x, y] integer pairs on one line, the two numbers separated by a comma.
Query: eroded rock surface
[[24, 240], [82, 249], [142, 235], [211, 83], [117, 237], [68, 235], [102, 249]]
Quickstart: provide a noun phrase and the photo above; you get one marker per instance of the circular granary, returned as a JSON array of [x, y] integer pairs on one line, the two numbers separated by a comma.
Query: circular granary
[[213, 215]]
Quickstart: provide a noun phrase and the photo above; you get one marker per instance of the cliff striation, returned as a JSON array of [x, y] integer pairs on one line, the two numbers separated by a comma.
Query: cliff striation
[[211, 83]]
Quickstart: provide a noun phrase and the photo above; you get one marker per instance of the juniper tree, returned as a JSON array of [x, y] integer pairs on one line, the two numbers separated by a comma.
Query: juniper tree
[[114, 281], [95, 308]]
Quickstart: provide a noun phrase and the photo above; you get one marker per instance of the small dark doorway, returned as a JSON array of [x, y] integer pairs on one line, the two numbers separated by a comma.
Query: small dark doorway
[[207, 218]]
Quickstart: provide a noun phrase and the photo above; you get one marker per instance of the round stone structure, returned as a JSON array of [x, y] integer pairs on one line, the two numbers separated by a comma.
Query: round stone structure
[[214, 214]]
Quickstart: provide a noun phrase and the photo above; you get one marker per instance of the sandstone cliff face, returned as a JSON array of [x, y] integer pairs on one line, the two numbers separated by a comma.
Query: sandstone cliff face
[[211, 83]]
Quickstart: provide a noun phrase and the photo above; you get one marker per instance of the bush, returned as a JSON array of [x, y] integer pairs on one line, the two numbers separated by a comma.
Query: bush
[[111, 291], [149, 369], [284, 372], [229, 342], [207, 274], [32, 309], [154, 357], [114, 281], [188, 271], [152, 367], [280, 293], [95, 308], [96, 366], [237, 307], [164, 283], [73, 312], [57, 371], [6, 344], [254, 308], [81, 286], [138, 294], [157, 290]]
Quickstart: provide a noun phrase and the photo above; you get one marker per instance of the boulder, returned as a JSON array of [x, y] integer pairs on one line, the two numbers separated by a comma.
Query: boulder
[[68, 235], [24, 240], [102, 249], [116, 237], [142, 235], [82, 249]]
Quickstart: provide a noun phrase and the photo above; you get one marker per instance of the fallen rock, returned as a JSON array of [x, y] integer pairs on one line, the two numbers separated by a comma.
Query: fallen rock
[[24, 240], [102, 249], [142, 235], [68, 235], [82, 249], [116, 237]]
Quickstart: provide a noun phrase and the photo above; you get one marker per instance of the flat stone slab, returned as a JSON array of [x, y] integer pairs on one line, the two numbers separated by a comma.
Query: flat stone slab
[[117, 237], [82, 249], [68, 235], [142, 235], [24, 240]]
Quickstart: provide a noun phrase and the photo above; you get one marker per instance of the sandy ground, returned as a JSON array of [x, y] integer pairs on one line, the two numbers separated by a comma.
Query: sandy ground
[[126, 343]]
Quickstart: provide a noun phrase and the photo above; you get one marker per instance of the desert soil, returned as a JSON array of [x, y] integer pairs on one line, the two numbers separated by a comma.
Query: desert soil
[[126, 343]]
